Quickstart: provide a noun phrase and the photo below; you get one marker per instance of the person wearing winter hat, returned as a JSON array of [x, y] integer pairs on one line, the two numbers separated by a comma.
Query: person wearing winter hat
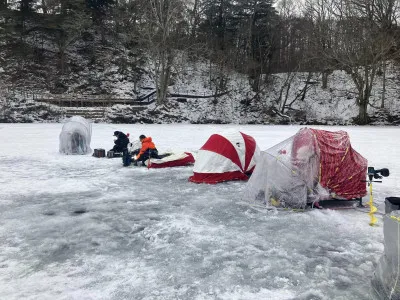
[[148, 150], [121, 142]]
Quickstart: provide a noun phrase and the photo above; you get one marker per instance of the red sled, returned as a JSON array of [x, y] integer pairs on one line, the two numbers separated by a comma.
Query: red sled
[[173, 160]]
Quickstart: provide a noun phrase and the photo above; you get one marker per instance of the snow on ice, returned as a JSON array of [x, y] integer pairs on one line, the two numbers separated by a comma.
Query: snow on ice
[[78, 227]]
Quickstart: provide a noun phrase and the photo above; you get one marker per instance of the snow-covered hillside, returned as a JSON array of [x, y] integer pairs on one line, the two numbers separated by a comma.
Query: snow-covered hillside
[[334, 105], [240, 105]]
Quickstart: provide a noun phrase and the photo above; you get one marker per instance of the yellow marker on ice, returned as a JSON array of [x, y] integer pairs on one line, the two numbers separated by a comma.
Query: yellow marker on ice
[[372, 208], [274, 202], [395, 218]]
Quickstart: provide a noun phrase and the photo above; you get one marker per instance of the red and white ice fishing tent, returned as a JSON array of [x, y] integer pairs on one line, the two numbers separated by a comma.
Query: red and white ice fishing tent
[[228, 156]]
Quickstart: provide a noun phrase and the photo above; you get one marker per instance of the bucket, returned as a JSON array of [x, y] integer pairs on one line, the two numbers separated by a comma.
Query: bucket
[[391, 204]]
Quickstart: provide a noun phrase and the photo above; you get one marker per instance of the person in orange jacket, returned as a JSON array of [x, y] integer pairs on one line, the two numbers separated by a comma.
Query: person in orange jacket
[[148, 150]]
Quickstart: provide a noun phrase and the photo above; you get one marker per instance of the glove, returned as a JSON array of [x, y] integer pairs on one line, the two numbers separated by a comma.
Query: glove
[[135, 157]]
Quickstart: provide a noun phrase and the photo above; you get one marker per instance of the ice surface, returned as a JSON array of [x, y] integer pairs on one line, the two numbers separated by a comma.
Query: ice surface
[[79, 227]]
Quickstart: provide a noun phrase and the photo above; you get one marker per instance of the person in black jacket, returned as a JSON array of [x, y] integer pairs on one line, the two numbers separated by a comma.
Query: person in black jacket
[[121, 142]]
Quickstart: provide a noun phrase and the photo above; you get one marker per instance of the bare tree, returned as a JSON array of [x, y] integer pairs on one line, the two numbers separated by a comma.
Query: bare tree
[[321, 33], [195, 10], [357, 42], [386, 13], [162, 19]]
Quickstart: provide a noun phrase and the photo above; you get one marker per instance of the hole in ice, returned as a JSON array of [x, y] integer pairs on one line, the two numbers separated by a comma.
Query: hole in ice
[[79, 211], [49, 213]]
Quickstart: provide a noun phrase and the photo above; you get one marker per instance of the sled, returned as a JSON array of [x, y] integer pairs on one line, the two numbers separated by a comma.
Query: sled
[[170, 160], [332, 204], [337, 204], [165, 160], [100, 153]]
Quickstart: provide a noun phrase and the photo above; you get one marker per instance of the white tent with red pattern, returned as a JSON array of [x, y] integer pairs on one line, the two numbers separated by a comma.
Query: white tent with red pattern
[[228, 156]]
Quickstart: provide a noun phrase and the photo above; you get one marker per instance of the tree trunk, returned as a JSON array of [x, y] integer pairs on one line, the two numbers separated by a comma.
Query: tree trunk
[[164, 85], [362, 111], [289, 84], [44, 7], [325, 75], [62, 61], [305, 89], [163, 77], [383, 84], [220, 85], [221, 26], [251, 66], [116, 17], [195, 20], [102, 32], [255, 80]]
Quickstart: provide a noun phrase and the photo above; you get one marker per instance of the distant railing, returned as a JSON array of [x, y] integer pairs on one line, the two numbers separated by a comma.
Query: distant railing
[[149, 98], [103, 100], [202, 95], [23, 93], [187, 94], [93, 100]]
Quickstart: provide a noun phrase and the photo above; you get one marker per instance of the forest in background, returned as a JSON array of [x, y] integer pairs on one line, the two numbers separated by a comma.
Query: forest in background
[[252, 37]]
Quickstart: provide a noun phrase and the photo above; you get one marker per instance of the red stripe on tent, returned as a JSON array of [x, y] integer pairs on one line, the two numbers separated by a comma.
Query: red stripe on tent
[[221, 145], [250, 145], [188, 160], [213, 178]]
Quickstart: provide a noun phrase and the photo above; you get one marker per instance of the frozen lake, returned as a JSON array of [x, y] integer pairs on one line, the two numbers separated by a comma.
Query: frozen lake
[[78, 227]]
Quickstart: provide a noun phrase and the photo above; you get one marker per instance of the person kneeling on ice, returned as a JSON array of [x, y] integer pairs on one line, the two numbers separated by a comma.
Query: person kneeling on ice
[[147, 151], [121, 142]]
